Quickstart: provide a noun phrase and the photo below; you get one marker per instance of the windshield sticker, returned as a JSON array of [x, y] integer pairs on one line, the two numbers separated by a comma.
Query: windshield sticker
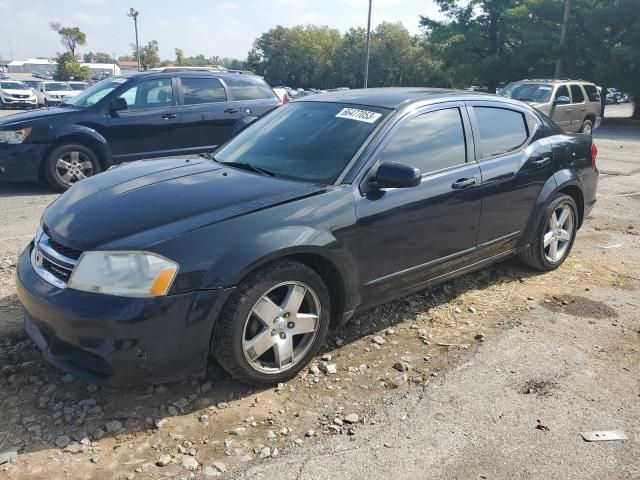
[[359, 115]]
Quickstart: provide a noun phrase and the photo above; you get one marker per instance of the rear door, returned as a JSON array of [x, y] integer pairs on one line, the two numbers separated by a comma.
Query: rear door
[[150, 126], [207, 117], [255, 96], [562, 114], [516, 160]]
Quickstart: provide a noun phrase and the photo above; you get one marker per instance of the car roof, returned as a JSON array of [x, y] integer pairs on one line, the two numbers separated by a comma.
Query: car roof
[[553, 80], [190, 72], [395, 97]]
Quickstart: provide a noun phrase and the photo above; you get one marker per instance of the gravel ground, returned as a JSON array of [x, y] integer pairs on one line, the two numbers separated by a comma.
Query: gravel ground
[[561, 348]]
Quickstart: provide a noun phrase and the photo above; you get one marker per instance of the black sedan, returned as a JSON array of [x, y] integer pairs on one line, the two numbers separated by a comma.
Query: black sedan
[[325, 206]]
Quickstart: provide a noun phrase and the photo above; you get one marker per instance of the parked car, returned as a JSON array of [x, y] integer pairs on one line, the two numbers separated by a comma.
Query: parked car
[[16, 94], [573, 104], [329, 205], [34, 86], [56, 93], [77, 86], [282, 94], [125, 118]]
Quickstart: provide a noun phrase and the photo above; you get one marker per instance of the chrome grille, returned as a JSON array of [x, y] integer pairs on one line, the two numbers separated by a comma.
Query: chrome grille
[[51, 260]]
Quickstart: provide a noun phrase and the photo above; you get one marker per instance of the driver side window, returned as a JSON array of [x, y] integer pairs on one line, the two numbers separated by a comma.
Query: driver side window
[[430, 142], [157, 93]]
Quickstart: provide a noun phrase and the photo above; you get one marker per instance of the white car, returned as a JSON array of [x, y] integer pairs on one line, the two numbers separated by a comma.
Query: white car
[[55, 93], [16, 94]]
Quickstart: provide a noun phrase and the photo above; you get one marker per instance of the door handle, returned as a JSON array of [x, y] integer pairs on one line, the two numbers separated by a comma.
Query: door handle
[[584, 109], [569, 110], [541, 162], [231, 110], [169, 116], [463, 183]]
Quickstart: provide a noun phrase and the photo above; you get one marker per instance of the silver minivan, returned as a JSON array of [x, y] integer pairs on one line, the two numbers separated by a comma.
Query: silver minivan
[[573, 104]]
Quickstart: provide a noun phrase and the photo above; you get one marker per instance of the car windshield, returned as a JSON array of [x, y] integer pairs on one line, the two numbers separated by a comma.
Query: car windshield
[[13, 86], [310, 141], [528, 92], [97, 92], [56, 87], [77, 86]]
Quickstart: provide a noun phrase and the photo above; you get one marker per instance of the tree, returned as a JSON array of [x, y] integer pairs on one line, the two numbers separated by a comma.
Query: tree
[[98, 57], [70, 37], [179, 56], [69, 68], [149, 54]]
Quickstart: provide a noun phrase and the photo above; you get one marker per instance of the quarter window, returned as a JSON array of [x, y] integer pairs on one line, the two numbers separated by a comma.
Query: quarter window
[[242, 89], [592, 93], [576, 93], [501, 130], [432, 141], [149, 94], [202, 90]]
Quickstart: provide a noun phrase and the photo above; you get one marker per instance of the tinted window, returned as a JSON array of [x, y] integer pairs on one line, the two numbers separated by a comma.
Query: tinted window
[[310, 141], [149, 94], [562, 91], [576, 94], [592, 93], [12, 86], [430, 142], [501, 130], [528, 92], [202, 90], [242, 89]]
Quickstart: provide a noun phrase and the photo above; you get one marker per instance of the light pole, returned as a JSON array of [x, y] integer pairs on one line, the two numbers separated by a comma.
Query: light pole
[[133, 13], [366, 61]]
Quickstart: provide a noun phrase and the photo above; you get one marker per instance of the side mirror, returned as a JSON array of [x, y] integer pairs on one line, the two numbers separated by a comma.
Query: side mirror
[[118, 104], [396, 175], [563, 100]]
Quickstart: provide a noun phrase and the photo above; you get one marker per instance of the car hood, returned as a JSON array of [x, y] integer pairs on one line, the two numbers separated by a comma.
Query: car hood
[[66, 93], [11, 91], [142, 203], [33, 115]]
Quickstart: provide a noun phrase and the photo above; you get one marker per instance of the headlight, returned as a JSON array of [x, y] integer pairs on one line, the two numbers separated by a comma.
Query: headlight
[[126, 274], [14, 136]]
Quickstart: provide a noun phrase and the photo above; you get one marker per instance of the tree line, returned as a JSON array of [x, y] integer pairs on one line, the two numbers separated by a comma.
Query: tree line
[[483, 43]]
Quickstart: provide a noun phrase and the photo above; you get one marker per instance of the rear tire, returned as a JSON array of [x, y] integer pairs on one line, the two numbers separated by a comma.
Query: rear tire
[[587, 127], [261, 317], [560, 233], [68, 164]]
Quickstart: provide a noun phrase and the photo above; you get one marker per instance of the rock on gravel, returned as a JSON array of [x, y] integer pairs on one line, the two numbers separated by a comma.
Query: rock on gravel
[[114, 426], [190, 463], [62, 441], [378, 340], [163, 461], [352, 418]]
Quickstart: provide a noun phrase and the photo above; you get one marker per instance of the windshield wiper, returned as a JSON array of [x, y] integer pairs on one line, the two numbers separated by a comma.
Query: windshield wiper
[[247, 166]]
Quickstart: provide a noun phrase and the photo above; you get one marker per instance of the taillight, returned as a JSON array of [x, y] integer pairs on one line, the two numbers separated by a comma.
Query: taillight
[[594, 154], [285, 98]]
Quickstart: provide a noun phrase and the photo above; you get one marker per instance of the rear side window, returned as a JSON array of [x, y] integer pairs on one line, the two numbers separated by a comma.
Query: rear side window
[[592, 93], [432, 141], [576, 94], [243, 89], [202, 90], [501, 130]]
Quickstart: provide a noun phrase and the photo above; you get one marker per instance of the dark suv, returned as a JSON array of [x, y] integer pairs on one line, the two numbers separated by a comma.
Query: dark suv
[[142, 115]]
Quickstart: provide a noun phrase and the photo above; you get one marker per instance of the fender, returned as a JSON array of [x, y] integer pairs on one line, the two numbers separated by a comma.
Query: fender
[[560, 180], [282, 242], [86, 135]]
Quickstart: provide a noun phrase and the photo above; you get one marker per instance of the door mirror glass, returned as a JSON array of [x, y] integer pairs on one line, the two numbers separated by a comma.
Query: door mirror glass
[[396, 175], [118, 104], [562, 100]]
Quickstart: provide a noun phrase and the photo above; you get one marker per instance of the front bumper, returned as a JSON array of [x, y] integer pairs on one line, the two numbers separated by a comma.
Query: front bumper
[[21, 161], [119, 341], [16, 102]]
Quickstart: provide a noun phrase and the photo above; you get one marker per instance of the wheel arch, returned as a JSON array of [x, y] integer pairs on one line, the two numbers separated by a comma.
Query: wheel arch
[[87, 137]]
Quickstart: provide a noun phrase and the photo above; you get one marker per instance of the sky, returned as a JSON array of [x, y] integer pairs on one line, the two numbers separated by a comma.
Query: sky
[[225, 28]]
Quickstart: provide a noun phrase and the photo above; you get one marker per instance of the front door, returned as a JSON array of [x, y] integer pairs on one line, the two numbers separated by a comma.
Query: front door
[[207, 116], [562, 114], [408, 236], [150, 126]]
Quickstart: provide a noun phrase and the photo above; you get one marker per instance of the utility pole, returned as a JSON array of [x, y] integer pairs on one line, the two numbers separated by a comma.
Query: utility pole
[[133, 13], [115, 61], [563, 38], [366, 61]]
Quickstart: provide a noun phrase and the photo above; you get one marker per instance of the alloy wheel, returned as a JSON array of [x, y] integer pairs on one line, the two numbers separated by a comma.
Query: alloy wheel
[[559, 233], [587, 130], [72, 167], [281, 327]]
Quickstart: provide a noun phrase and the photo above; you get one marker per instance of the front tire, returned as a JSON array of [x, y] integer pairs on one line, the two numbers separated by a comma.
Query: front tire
[[273, 325], [554, 236], [69, 163]]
